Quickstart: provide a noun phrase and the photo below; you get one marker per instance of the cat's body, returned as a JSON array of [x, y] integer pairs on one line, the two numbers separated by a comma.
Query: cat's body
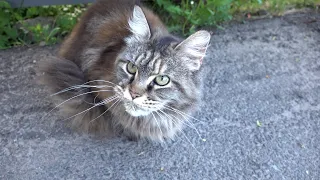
[[126, 73]]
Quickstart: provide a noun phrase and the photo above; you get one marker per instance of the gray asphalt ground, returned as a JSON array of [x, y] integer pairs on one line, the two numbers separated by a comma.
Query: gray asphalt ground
[[262, 70]]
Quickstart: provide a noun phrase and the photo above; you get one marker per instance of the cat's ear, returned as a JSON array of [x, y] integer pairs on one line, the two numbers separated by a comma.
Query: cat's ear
[[138, 25], [193, 49]]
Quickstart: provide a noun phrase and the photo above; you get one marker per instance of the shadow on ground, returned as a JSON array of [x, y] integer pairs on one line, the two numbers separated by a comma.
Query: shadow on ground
[[265, 70]]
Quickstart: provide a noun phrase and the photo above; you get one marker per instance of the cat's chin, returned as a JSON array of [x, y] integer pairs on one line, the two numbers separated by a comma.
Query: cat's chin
[[135, 111]]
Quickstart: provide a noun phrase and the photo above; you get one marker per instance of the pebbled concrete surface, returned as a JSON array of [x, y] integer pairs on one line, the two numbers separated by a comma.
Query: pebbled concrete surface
[[264, 70]]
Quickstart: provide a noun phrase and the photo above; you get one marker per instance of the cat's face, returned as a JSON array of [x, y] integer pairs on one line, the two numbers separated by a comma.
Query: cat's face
[[150, 79], [144, 88], [156, 73]]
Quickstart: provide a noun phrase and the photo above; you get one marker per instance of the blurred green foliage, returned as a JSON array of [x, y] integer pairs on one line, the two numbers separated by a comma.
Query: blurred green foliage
[[187, 15], [182, 16], [17, 29]]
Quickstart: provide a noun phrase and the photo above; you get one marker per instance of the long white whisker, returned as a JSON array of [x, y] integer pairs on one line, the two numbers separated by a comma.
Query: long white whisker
[[78, 96], [84, 85], [157, 123], [98, 104], [80, 86], [69, 100], [189, 141], [159, 114], [186, 137], [107, 109], [118, 103], [180, 112], [162, 118], [100, 80], [94, 100], [186, 115], [191, 125]]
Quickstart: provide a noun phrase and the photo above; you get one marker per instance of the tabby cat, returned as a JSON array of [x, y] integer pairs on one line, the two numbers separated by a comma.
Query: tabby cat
[[121, 71]]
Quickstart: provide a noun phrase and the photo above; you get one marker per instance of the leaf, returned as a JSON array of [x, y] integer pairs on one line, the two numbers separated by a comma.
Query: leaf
[[4, 4], [38, 27], [52, 33], [4, 41], [258, 123], [174, 9], [12, 33], [211, 12], [4, 23], [32, 12]]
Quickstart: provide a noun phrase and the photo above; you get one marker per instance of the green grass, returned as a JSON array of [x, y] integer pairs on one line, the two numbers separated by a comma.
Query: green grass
[[185, 16]]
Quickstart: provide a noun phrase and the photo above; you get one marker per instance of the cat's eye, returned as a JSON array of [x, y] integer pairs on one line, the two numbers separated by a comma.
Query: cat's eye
[[162, 80], [131, 68]]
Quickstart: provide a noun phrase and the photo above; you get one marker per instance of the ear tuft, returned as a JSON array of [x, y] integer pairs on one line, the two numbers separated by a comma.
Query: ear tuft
[[139, 25], [193, 49]]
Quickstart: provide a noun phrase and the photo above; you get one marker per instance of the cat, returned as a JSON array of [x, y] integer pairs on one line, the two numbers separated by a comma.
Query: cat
[[121, 72]]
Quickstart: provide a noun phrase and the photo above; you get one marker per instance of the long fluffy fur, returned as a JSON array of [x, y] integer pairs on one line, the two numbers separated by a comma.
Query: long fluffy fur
[[91, 52], [58, 74]]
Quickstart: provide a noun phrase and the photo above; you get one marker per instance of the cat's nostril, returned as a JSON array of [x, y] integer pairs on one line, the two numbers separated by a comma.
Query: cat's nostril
[[134, 94]]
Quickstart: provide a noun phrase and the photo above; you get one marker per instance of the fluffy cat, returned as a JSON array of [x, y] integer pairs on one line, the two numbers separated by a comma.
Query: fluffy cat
[[121, 71]]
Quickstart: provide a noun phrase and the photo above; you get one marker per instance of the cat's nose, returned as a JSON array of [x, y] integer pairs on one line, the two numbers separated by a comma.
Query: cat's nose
[[134, 94]]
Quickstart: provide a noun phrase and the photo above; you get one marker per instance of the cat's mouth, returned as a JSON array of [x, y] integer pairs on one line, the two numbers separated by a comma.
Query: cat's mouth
[[136, 107], [135, 110]]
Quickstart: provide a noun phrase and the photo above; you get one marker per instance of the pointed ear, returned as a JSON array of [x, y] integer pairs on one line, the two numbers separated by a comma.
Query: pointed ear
[[138, 25], [193, 49]]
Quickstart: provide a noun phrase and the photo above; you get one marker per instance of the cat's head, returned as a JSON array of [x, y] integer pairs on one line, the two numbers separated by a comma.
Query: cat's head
[[155, 71]]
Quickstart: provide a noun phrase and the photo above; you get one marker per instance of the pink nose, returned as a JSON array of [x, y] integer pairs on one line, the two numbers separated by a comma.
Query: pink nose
[[134, 94]]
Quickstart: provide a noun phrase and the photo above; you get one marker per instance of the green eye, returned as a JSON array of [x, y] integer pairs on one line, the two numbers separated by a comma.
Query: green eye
[[131, 68], [162, 80]]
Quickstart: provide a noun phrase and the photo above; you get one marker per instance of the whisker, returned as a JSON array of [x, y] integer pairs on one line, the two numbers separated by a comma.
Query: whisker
[[180, 112], [94, 100], [107, 109], [118, 103], [186, 121], [78, 87], [157, 123], [78, 96], [186, 138], [159, 114], [163, 113], [98, 104], [189, 141], [191, 125], [100, 80], [186, 115], [84, 85], [71, 99]]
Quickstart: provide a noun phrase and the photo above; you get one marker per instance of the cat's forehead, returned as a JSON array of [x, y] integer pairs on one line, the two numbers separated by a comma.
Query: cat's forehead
[[163, 46], [151, 62], [146, 56]]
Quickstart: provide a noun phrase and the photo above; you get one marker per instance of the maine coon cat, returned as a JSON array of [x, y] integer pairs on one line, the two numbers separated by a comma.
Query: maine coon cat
[[121, 71]]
